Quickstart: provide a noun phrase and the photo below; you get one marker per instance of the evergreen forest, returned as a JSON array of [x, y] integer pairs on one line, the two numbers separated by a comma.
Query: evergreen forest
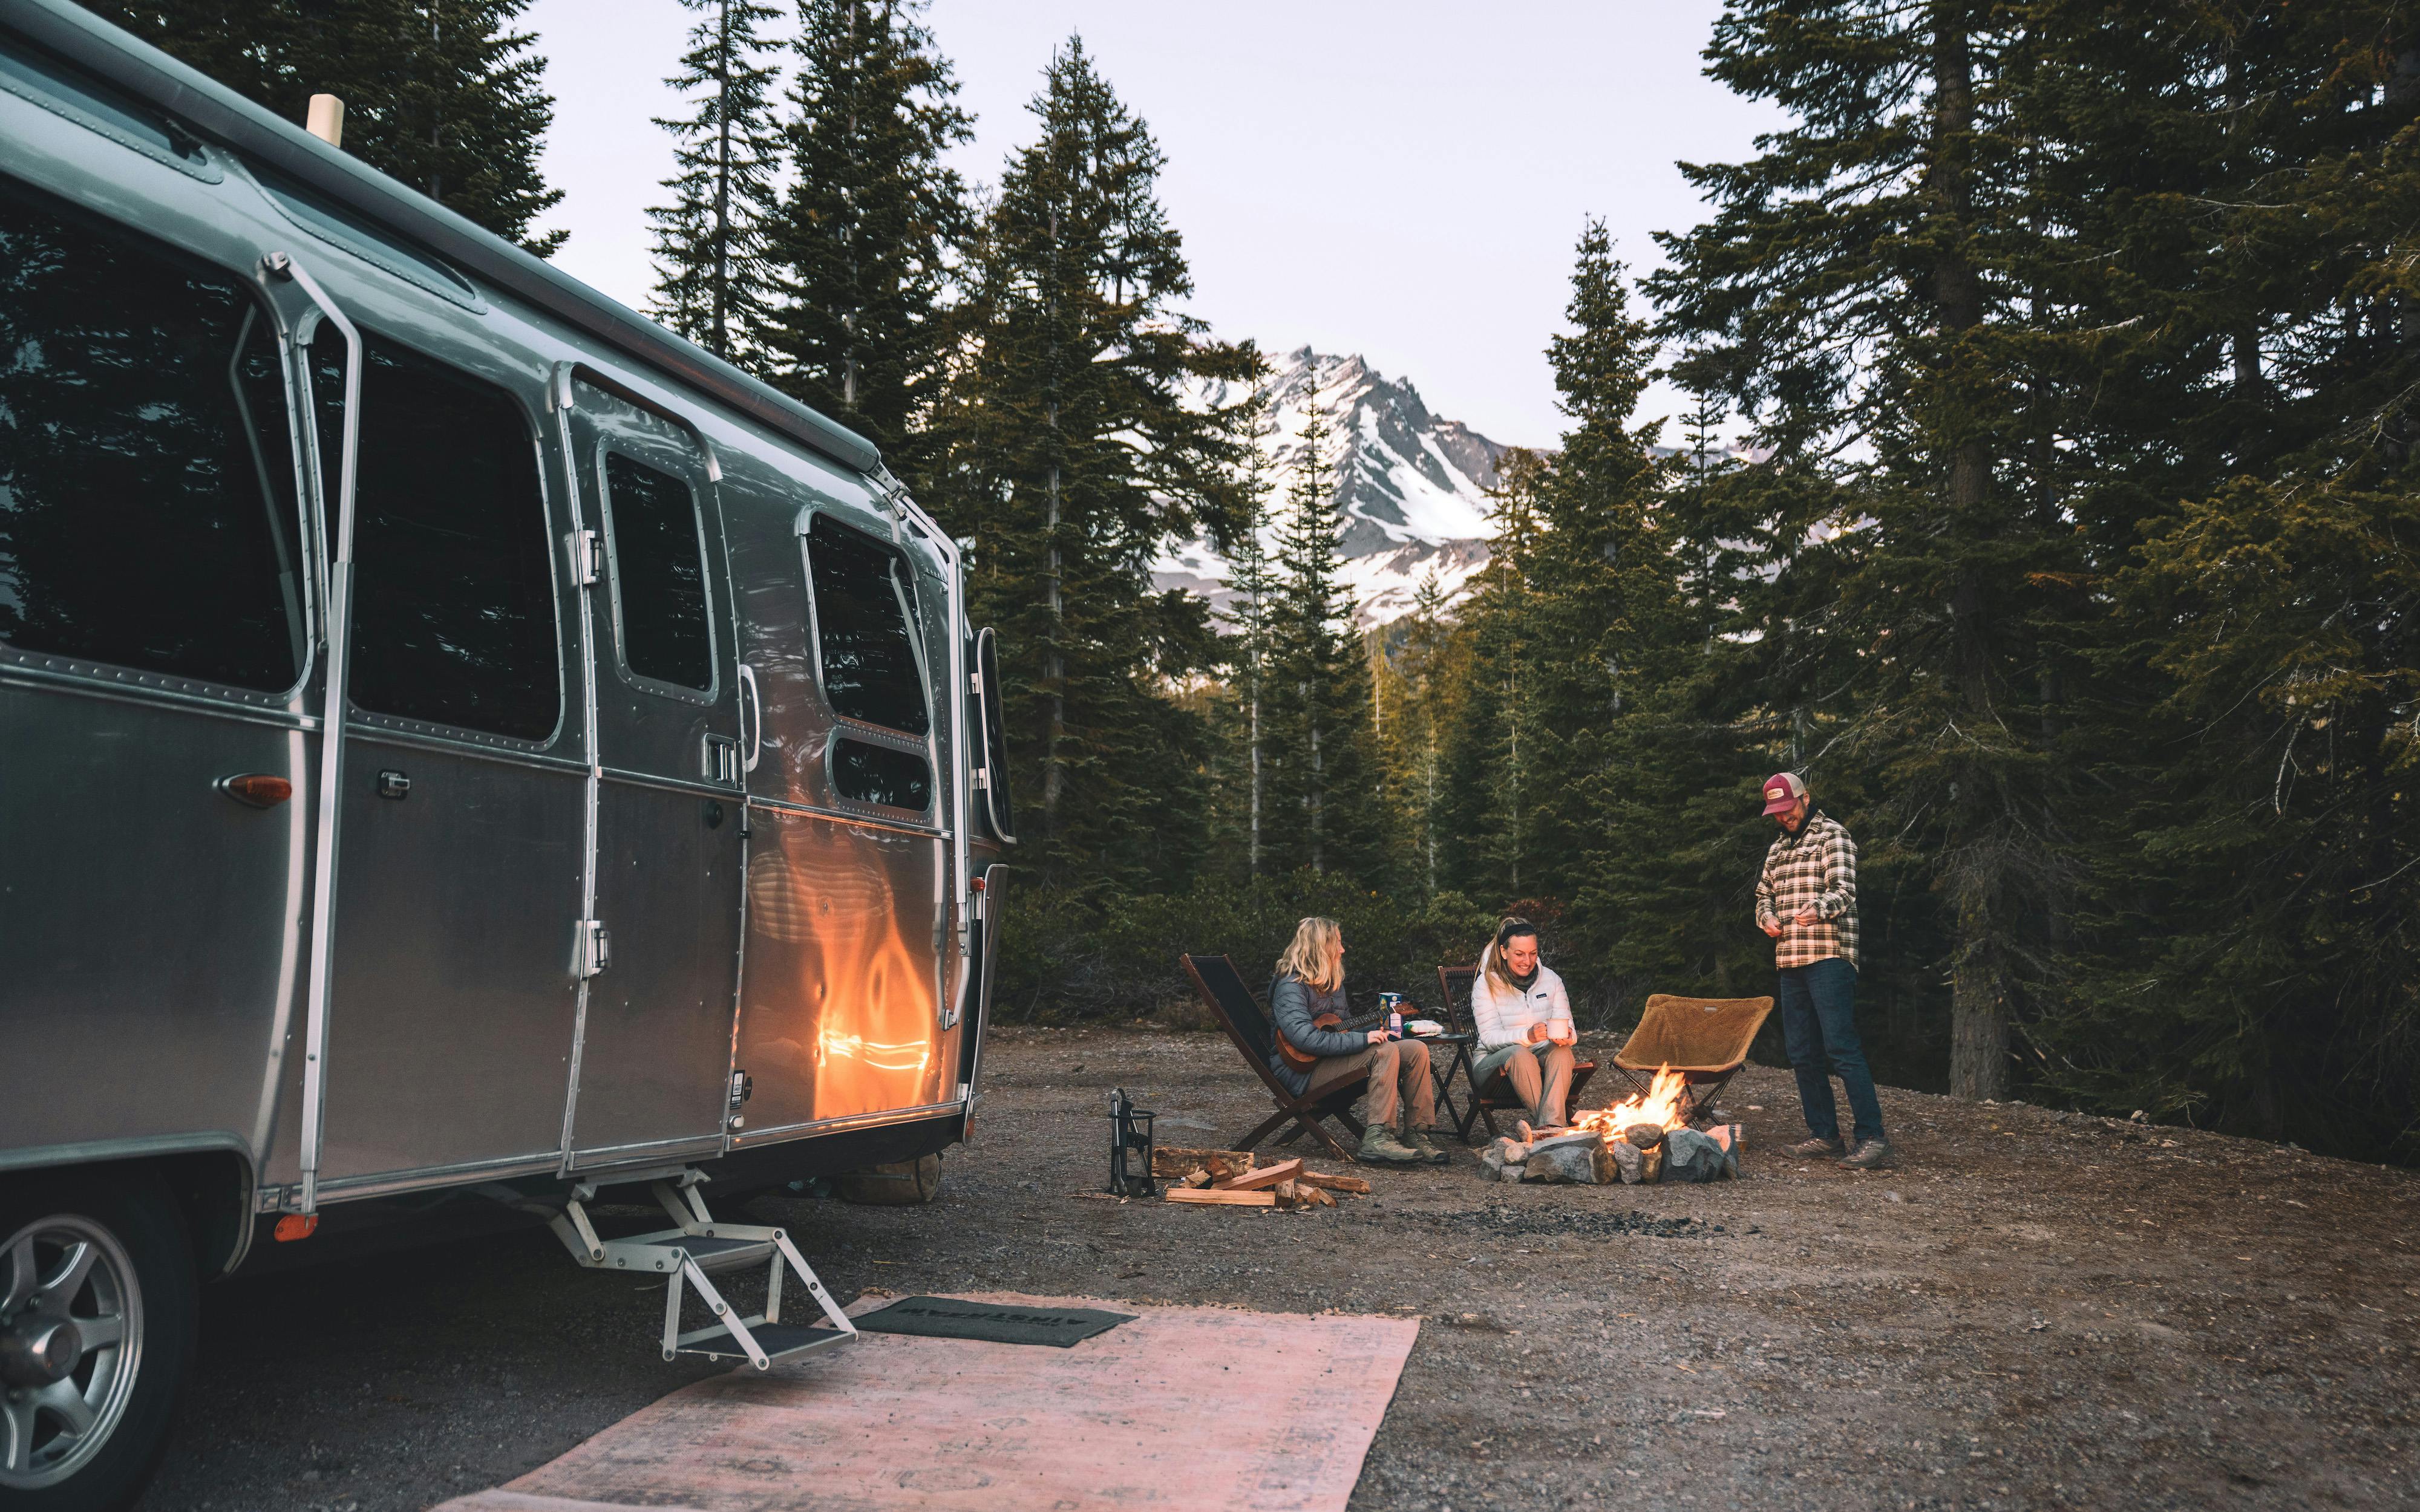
[[2046, 497]]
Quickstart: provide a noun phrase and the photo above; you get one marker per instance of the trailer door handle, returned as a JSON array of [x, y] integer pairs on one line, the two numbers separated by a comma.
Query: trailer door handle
[[751, 714], [394, 784]]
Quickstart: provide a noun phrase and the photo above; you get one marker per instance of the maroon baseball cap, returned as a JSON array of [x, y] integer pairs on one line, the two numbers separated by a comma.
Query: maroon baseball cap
[[1781, 791]]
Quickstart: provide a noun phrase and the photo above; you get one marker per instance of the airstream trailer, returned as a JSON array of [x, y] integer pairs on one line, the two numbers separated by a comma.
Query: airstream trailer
[[459, 738]]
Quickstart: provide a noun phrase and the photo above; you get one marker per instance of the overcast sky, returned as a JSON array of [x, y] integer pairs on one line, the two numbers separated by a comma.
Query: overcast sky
[[1404, 180]]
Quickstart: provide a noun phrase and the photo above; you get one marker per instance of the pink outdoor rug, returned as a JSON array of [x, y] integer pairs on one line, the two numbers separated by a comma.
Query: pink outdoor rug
[[1197, 1409]]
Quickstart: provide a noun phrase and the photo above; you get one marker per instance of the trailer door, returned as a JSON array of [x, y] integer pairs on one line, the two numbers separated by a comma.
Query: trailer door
[[462, 793], [651, 1055]]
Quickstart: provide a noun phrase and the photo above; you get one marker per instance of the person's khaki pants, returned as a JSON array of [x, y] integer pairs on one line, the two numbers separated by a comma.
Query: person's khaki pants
[[1543, 1069], [1399, 1071]]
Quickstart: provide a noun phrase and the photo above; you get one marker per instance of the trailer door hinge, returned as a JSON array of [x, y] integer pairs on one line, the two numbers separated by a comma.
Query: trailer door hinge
[[592, 948], [586, 554]]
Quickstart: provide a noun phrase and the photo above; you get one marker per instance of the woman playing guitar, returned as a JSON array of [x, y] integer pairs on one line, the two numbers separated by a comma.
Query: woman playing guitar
[[1306, 1001]]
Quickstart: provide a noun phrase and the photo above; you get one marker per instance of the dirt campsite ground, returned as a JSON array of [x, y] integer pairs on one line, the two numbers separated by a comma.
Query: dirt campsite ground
[[2037, 1311]]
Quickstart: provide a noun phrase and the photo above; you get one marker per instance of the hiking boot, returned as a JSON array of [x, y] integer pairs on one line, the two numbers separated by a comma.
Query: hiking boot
[[1422, 1146], [1379, 1147], [1872, 1155], [1810, 1149]]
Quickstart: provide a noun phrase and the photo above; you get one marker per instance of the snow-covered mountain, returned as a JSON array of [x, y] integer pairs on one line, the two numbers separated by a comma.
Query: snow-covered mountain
[[1410, 486]]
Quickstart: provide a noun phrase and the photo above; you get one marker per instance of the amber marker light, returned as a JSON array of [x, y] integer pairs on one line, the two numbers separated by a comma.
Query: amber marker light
[[256, 790], [296, 1226]]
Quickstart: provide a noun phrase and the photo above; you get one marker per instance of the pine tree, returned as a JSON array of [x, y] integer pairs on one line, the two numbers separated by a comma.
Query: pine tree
[[1433, 677], [1491, 804], [1851, 291], [1326, 773], [2245, 959], [1075, 456], [1601, 600], [1254, 583], [864, 240], [440, 94], [711, 271]]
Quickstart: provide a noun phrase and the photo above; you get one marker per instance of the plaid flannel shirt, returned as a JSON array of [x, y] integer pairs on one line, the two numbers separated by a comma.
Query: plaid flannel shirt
[[1816, 867]]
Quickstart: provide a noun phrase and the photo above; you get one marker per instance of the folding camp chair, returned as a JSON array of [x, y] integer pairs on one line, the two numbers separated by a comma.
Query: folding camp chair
[[1222, 990], [1454, 987], [1704, 1039]]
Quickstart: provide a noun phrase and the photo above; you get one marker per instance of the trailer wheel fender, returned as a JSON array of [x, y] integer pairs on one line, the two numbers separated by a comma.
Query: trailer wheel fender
[[98, 1300]]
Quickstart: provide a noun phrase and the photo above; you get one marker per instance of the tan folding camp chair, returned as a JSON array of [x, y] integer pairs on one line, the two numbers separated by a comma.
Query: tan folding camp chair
[[1704, 1039]]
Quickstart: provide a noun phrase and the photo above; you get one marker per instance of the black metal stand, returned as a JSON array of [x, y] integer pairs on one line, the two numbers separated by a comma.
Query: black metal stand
[[1129, 1147]]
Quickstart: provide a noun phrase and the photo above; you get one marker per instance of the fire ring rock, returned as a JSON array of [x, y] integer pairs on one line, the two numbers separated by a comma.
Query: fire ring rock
[[1580, 1162], [1691, 1156]]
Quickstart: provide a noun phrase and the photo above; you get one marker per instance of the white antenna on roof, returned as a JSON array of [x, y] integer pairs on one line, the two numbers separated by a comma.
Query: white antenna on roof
[[327, 120]]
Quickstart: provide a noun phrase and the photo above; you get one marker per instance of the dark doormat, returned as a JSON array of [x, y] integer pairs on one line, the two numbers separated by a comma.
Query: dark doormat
[[948, 1317]]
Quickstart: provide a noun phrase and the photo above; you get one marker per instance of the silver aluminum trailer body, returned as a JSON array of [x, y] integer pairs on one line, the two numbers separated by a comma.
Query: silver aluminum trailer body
[[658, 833]]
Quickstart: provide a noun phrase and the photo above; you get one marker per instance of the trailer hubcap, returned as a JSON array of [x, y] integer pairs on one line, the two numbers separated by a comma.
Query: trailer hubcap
[[70, 1342]]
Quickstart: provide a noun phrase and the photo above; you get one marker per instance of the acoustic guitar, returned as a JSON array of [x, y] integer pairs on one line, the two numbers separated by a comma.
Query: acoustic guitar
[[1303, 1061]]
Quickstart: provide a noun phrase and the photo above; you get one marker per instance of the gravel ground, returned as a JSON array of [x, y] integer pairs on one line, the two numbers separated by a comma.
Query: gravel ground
[[2037, 1311]]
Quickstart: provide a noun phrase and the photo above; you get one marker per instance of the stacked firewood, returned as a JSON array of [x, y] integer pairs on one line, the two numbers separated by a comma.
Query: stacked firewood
[[1235, 1179]]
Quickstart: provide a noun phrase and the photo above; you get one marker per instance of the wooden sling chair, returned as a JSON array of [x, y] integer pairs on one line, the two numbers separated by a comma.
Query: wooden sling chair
[[1497, 1096], [1704, 1039], [1232, 1003]]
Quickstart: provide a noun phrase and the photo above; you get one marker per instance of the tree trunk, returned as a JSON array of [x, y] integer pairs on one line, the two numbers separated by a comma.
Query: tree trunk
[[1978, 1020], [1978, 1024]]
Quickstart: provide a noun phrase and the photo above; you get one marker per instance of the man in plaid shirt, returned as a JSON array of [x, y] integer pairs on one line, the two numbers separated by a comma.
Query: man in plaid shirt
[[1807, 900]]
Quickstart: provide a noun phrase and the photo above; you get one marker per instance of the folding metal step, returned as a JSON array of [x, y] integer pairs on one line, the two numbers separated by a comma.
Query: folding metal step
[[697, 1246]]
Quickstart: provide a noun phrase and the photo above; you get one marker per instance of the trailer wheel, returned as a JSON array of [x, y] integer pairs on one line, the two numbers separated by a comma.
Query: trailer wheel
[[97, 1312]]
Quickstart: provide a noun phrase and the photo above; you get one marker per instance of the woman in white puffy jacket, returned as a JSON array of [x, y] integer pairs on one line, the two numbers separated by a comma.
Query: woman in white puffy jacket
[[1524, 1019]]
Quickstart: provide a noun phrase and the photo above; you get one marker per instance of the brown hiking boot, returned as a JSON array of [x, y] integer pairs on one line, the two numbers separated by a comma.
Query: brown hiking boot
[[1872, 1155], [1424, 1147], [1379, 1147], [1812, 1149]]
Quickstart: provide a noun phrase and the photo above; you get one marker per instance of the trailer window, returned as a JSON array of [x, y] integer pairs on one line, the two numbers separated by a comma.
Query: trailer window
[[878, 774], [867, 653], [453, 581], [147, 474], [659, 551]]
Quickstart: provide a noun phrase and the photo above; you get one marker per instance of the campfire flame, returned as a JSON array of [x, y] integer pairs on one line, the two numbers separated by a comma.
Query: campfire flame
[[1661, 1106]]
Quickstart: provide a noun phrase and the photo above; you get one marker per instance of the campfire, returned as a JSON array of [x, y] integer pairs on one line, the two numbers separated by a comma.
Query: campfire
[[1627, 1140], [1659, 1108]]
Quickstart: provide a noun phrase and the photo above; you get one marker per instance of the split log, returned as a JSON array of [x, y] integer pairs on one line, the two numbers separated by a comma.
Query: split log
[[1197, 1176], [1324, 1198], [1212, 1197], [1266, 1176], [1170, 1161], [1335, 1183]]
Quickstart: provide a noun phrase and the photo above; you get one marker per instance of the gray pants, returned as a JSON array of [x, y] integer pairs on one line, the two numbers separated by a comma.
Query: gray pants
[[1541, 1078]]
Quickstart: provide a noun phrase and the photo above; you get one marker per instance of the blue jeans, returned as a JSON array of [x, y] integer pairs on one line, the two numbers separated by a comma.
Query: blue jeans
[[1819, 1016]]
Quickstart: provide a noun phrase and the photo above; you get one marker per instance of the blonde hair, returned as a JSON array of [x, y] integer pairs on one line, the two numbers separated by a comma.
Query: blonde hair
[[1491, 961], [1316, 957]]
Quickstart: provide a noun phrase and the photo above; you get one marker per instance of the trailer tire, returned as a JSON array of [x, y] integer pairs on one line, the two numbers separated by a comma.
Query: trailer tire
[[138, 1281]]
